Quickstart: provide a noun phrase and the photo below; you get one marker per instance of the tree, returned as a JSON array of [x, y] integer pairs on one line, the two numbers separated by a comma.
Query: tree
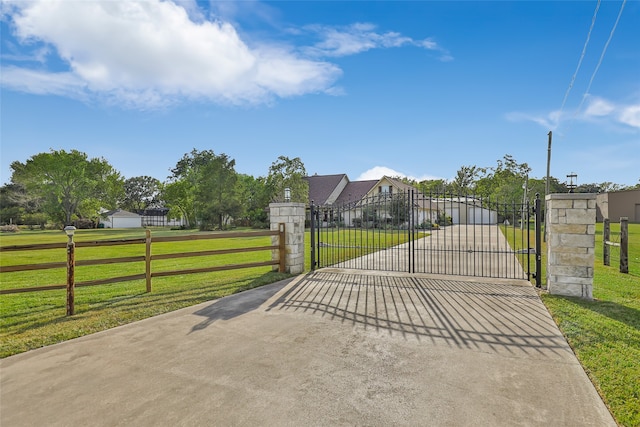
[[398, 208], [202, 189], [69, 183], [432, 186], [465, 179], [288, 173], [255, 199], [216, 194], [505, 182], [141, 192], [19, 207], [180, 192], [180, 200]]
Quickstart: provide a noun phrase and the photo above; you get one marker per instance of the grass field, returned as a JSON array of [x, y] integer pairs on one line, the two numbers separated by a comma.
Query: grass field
[[342, 244], [605, 333], [35, 319]]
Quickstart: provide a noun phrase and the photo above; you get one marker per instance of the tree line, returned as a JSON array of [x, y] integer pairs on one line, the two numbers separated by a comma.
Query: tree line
[[62, 187], [508, 182]]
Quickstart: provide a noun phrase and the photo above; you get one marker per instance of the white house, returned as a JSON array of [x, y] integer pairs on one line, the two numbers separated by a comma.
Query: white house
[[351, 197], [347, 200], [119, 218]]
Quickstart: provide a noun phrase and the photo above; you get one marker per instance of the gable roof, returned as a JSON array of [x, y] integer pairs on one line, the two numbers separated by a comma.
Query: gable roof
[[399, 184], [121, 214], [321, 187], [355, 190]]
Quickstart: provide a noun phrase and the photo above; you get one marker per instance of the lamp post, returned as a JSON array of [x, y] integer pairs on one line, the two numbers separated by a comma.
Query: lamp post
[[71, 264], [571, 185], [287, 195]]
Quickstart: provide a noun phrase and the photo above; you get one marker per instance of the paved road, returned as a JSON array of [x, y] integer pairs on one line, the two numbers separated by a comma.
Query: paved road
[[331, 348]]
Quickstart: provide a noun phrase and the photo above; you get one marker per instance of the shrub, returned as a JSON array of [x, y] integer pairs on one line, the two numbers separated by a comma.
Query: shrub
[[428, 226], [11, 228], [84, 223]]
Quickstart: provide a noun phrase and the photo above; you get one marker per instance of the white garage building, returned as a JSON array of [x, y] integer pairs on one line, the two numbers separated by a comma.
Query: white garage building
[[121, 219], [466, 210]]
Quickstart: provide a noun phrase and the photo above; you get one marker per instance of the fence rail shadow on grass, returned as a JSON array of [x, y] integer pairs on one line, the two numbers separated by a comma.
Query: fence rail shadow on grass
[[148, 274]]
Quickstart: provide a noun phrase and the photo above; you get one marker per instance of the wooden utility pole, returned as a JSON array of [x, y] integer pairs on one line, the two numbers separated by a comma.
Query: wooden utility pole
[[547, 185], [548, 163]]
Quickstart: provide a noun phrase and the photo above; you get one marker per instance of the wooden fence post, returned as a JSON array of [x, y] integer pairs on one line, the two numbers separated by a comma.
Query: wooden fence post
[[624, 245], [282, 244], [147, 259], [71, 280], [606, 234]]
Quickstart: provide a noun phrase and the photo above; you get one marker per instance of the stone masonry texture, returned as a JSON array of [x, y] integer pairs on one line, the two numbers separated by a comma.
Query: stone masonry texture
[[570, 222]]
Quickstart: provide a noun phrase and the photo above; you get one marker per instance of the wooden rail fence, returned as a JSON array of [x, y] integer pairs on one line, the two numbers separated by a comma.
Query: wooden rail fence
[[148, 274], [623, 244]]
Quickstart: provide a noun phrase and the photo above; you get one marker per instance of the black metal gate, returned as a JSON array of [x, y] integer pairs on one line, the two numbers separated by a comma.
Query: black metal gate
[[440, 234]]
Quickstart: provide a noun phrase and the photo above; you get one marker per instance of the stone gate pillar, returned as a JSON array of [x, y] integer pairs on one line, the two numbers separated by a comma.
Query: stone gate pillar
[[571, 228], [292, 215]]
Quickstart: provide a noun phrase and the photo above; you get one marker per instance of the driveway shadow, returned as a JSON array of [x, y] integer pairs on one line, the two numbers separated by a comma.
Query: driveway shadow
[[481, 316], [236, 305]]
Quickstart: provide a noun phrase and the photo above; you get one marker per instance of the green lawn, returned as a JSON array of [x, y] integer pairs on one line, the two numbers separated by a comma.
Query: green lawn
[[342, 244], [35, 319], [605, 333]]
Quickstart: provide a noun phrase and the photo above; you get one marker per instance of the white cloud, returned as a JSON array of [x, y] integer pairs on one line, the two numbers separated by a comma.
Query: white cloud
[[151, 53], [602, 109], [630, 115], [154, 53], [361, 37], [378, 172], [548, 121], [598, 110], [599, 107], [40, 83]]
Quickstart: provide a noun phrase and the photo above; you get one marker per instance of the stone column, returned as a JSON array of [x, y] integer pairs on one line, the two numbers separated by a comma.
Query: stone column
[[571, 227], [292, 215]]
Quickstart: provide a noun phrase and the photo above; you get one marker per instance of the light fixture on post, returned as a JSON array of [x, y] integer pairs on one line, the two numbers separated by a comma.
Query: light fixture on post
[[71, 264], [287, 195], [571, 185]]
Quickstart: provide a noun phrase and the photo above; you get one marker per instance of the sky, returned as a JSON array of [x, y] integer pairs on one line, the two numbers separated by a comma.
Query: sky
[[366, 88]]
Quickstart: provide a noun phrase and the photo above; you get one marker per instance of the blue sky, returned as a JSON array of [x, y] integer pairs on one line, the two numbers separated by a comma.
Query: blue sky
[[364, 88]]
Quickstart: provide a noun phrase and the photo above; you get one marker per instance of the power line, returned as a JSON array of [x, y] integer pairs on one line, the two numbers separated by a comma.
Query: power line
[[604, 50], [584, 50]]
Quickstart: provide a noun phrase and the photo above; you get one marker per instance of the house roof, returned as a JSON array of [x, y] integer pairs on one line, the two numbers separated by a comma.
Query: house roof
[[321, 187], [399, 184], [121, 213], [355, 190]]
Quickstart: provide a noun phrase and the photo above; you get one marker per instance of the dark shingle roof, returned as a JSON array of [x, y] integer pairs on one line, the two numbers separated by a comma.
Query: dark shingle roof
[[321, 187], [355, 191]]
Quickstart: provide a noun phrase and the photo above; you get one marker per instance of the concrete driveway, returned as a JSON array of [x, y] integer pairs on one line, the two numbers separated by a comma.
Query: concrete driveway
[[331, 348], [465, 250]]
